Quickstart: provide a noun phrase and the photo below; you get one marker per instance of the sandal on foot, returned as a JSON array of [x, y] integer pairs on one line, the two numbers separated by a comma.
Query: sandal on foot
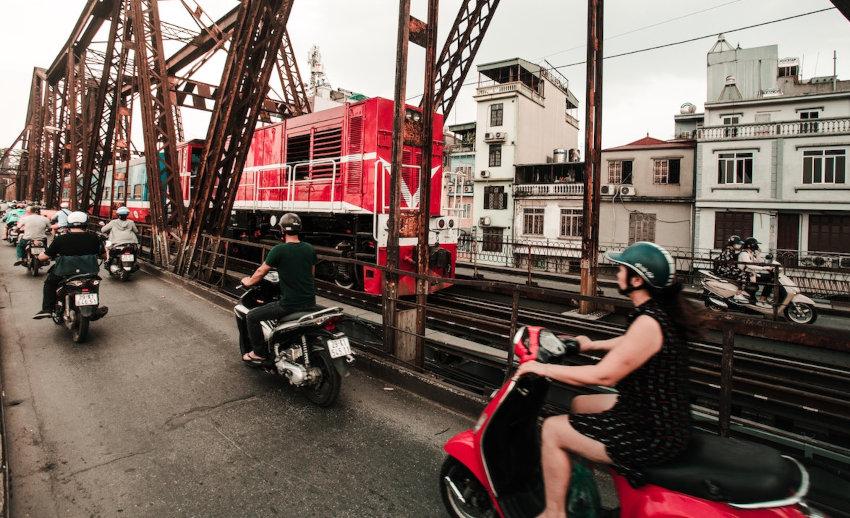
[[252, 359]]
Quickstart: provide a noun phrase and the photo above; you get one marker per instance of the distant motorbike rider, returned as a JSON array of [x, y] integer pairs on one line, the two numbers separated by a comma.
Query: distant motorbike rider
[[757, 274], [34, 226], [76, 253], [60, 219], [648, 422], [726, 266], [13, 215], [295, 262], [121, 231]]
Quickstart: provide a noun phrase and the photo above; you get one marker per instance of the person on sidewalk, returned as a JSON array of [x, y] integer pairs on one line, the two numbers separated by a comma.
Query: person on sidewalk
[[295, 262]]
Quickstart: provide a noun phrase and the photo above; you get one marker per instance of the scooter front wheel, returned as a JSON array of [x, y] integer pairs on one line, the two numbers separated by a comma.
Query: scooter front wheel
[[463, 495], [801, 313]]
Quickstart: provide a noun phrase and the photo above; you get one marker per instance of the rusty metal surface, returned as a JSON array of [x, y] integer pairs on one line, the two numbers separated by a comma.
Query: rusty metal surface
[[593, 148], [294, 91], [459, 51], [255, 42], [423, 251]]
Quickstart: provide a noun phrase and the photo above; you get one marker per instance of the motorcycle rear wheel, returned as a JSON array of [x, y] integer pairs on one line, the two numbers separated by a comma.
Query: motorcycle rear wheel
[[34, 267], [463, 495], [80, 330], [325, 392]]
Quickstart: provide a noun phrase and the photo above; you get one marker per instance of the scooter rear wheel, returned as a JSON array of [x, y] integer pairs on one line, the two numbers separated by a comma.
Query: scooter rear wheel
[[80, 330], [325, 392], [463, 495]]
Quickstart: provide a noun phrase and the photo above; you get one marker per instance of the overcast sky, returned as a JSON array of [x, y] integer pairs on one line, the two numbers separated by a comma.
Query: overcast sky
[[642, 92]]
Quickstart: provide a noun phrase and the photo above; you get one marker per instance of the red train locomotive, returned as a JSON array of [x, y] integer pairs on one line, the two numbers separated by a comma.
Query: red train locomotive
[[333, 168]]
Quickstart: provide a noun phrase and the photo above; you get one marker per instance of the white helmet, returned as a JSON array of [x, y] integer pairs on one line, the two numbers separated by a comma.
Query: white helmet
[[64, 205], [77, 219]]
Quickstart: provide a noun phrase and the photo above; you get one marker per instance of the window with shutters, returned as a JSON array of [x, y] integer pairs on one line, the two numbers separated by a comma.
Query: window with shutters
[[641, 227], [620, 172], [666, 171], [497, 112], [492, 239], [532, 224], [727, 224], [824, 166], [495, 197], [495, 155], [828, 233], [571, 222], [735, 168]]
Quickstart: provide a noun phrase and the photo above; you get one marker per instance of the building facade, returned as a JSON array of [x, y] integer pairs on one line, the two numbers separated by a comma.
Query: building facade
[[459, 172], [771, 158], [524, 114]]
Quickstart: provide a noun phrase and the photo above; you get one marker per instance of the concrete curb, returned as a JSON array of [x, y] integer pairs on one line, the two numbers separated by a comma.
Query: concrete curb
[[419, 383]]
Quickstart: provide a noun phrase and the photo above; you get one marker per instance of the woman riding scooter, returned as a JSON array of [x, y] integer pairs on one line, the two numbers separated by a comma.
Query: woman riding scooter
[[648, 422]]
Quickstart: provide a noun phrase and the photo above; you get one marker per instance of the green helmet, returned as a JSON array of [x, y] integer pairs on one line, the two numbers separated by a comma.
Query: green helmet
[[650, 261]]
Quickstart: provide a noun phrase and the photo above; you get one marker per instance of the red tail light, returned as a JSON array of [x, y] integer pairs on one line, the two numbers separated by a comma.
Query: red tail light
[[86, 290], [330, 325]]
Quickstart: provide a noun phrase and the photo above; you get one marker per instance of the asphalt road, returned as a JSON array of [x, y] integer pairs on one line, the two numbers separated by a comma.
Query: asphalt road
[[155, 416]]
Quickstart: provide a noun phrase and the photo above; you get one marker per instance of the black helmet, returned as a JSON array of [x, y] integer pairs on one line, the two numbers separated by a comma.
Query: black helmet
[[290, 224], [735, 240], [751, 243]]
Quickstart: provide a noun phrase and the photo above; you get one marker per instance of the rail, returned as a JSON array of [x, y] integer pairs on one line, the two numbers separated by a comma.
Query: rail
[[800, 128], [549, 189], [505, 88]]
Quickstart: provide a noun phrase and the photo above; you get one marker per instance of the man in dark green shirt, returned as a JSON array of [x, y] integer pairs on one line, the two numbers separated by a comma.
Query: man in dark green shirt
[[295, 262]]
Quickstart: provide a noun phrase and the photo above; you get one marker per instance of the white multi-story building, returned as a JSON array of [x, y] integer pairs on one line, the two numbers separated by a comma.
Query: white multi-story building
[[460, 169], [771, 159], [524, 114]]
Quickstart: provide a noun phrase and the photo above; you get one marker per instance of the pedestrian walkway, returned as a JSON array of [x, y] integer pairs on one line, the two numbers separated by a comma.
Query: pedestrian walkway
[[155, 416]]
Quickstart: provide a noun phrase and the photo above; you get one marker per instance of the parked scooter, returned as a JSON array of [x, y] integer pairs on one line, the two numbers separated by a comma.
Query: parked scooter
[[306, 349], [719, 295], [493, 470], [123, 261], [31, 252], [78, 304]]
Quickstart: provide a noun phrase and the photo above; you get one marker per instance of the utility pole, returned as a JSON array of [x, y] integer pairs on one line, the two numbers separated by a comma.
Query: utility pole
[[390, 296], [593, 159]]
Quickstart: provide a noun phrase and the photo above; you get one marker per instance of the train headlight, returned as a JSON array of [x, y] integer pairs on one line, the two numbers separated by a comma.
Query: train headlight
[[451, 223], [441, 223]]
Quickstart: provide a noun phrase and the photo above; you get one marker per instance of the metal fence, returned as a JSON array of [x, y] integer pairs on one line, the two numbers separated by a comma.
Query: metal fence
[[823, 274]]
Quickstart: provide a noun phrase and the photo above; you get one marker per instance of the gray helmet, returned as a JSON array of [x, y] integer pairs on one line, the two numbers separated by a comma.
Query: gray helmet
[[290, 224]]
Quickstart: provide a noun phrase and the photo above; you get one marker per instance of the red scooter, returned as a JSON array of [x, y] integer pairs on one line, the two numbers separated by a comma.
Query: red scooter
[[493, 470]]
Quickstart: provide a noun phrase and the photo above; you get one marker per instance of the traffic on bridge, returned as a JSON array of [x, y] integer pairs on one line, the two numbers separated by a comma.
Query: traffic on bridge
[[228, 288]]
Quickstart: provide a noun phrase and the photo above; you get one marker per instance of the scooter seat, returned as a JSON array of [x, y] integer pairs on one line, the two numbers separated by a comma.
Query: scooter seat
[[728, 470], [292, 317]]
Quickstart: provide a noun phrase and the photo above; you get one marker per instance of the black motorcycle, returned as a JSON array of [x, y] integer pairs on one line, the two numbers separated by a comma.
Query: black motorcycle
[[123, 261], [32, 250], [78, 304], [306, 349]]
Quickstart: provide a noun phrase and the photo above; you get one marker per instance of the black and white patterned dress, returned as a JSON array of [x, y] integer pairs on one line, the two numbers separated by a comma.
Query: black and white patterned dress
[[651, 422]]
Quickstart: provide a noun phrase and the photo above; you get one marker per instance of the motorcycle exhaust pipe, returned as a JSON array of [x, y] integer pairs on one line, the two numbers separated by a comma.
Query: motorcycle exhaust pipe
[[718, 302]]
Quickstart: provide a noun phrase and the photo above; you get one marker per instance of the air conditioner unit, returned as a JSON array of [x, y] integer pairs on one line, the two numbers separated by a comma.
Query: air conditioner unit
[[494, 136], [484, 222], [607, 190], [485, 174], [627, 190]]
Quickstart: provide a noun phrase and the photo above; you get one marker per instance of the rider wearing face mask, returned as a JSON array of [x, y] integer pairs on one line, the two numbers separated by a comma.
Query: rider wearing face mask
[[648, 421]]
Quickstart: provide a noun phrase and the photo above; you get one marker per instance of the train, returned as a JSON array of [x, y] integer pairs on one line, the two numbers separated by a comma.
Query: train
[[332, 168]]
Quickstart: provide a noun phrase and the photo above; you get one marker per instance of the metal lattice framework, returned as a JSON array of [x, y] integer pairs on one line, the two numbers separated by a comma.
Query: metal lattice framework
[[459, 51], [254, 46]]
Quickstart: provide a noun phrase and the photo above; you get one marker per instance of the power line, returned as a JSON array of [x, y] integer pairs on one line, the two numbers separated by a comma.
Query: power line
[[672, 44], [638, 29]]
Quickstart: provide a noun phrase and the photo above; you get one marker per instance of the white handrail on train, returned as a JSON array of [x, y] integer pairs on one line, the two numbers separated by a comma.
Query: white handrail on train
[[312, 163]]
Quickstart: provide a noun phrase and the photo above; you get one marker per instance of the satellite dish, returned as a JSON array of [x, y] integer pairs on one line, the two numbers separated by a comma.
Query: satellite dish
[[273, 220]]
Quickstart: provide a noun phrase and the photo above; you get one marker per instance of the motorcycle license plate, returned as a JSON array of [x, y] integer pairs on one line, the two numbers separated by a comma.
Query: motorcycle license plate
[[36, 251], [128, 258], [339, 347], [86, 299]]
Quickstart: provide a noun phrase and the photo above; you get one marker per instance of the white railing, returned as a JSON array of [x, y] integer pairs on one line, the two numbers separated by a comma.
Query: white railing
[[504, 88], [832, 126], [549, 189]]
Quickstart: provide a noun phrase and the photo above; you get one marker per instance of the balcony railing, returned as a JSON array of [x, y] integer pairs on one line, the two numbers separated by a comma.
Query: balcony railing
[[833, 126], [503, 88], [549, 189], [461, 148]]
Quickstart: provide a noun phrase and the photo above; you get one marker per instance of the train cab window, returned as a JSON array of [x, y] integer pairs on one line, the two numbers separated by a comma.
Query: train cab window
[[137, 191], [119, 192]]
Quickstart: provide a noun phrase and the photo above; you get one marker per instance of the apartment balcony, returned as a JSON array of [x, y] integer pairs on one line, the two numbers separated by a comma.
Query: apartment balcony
[[799, 128], [460, 148], [572, 121], [558, 190], [492, 88]]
